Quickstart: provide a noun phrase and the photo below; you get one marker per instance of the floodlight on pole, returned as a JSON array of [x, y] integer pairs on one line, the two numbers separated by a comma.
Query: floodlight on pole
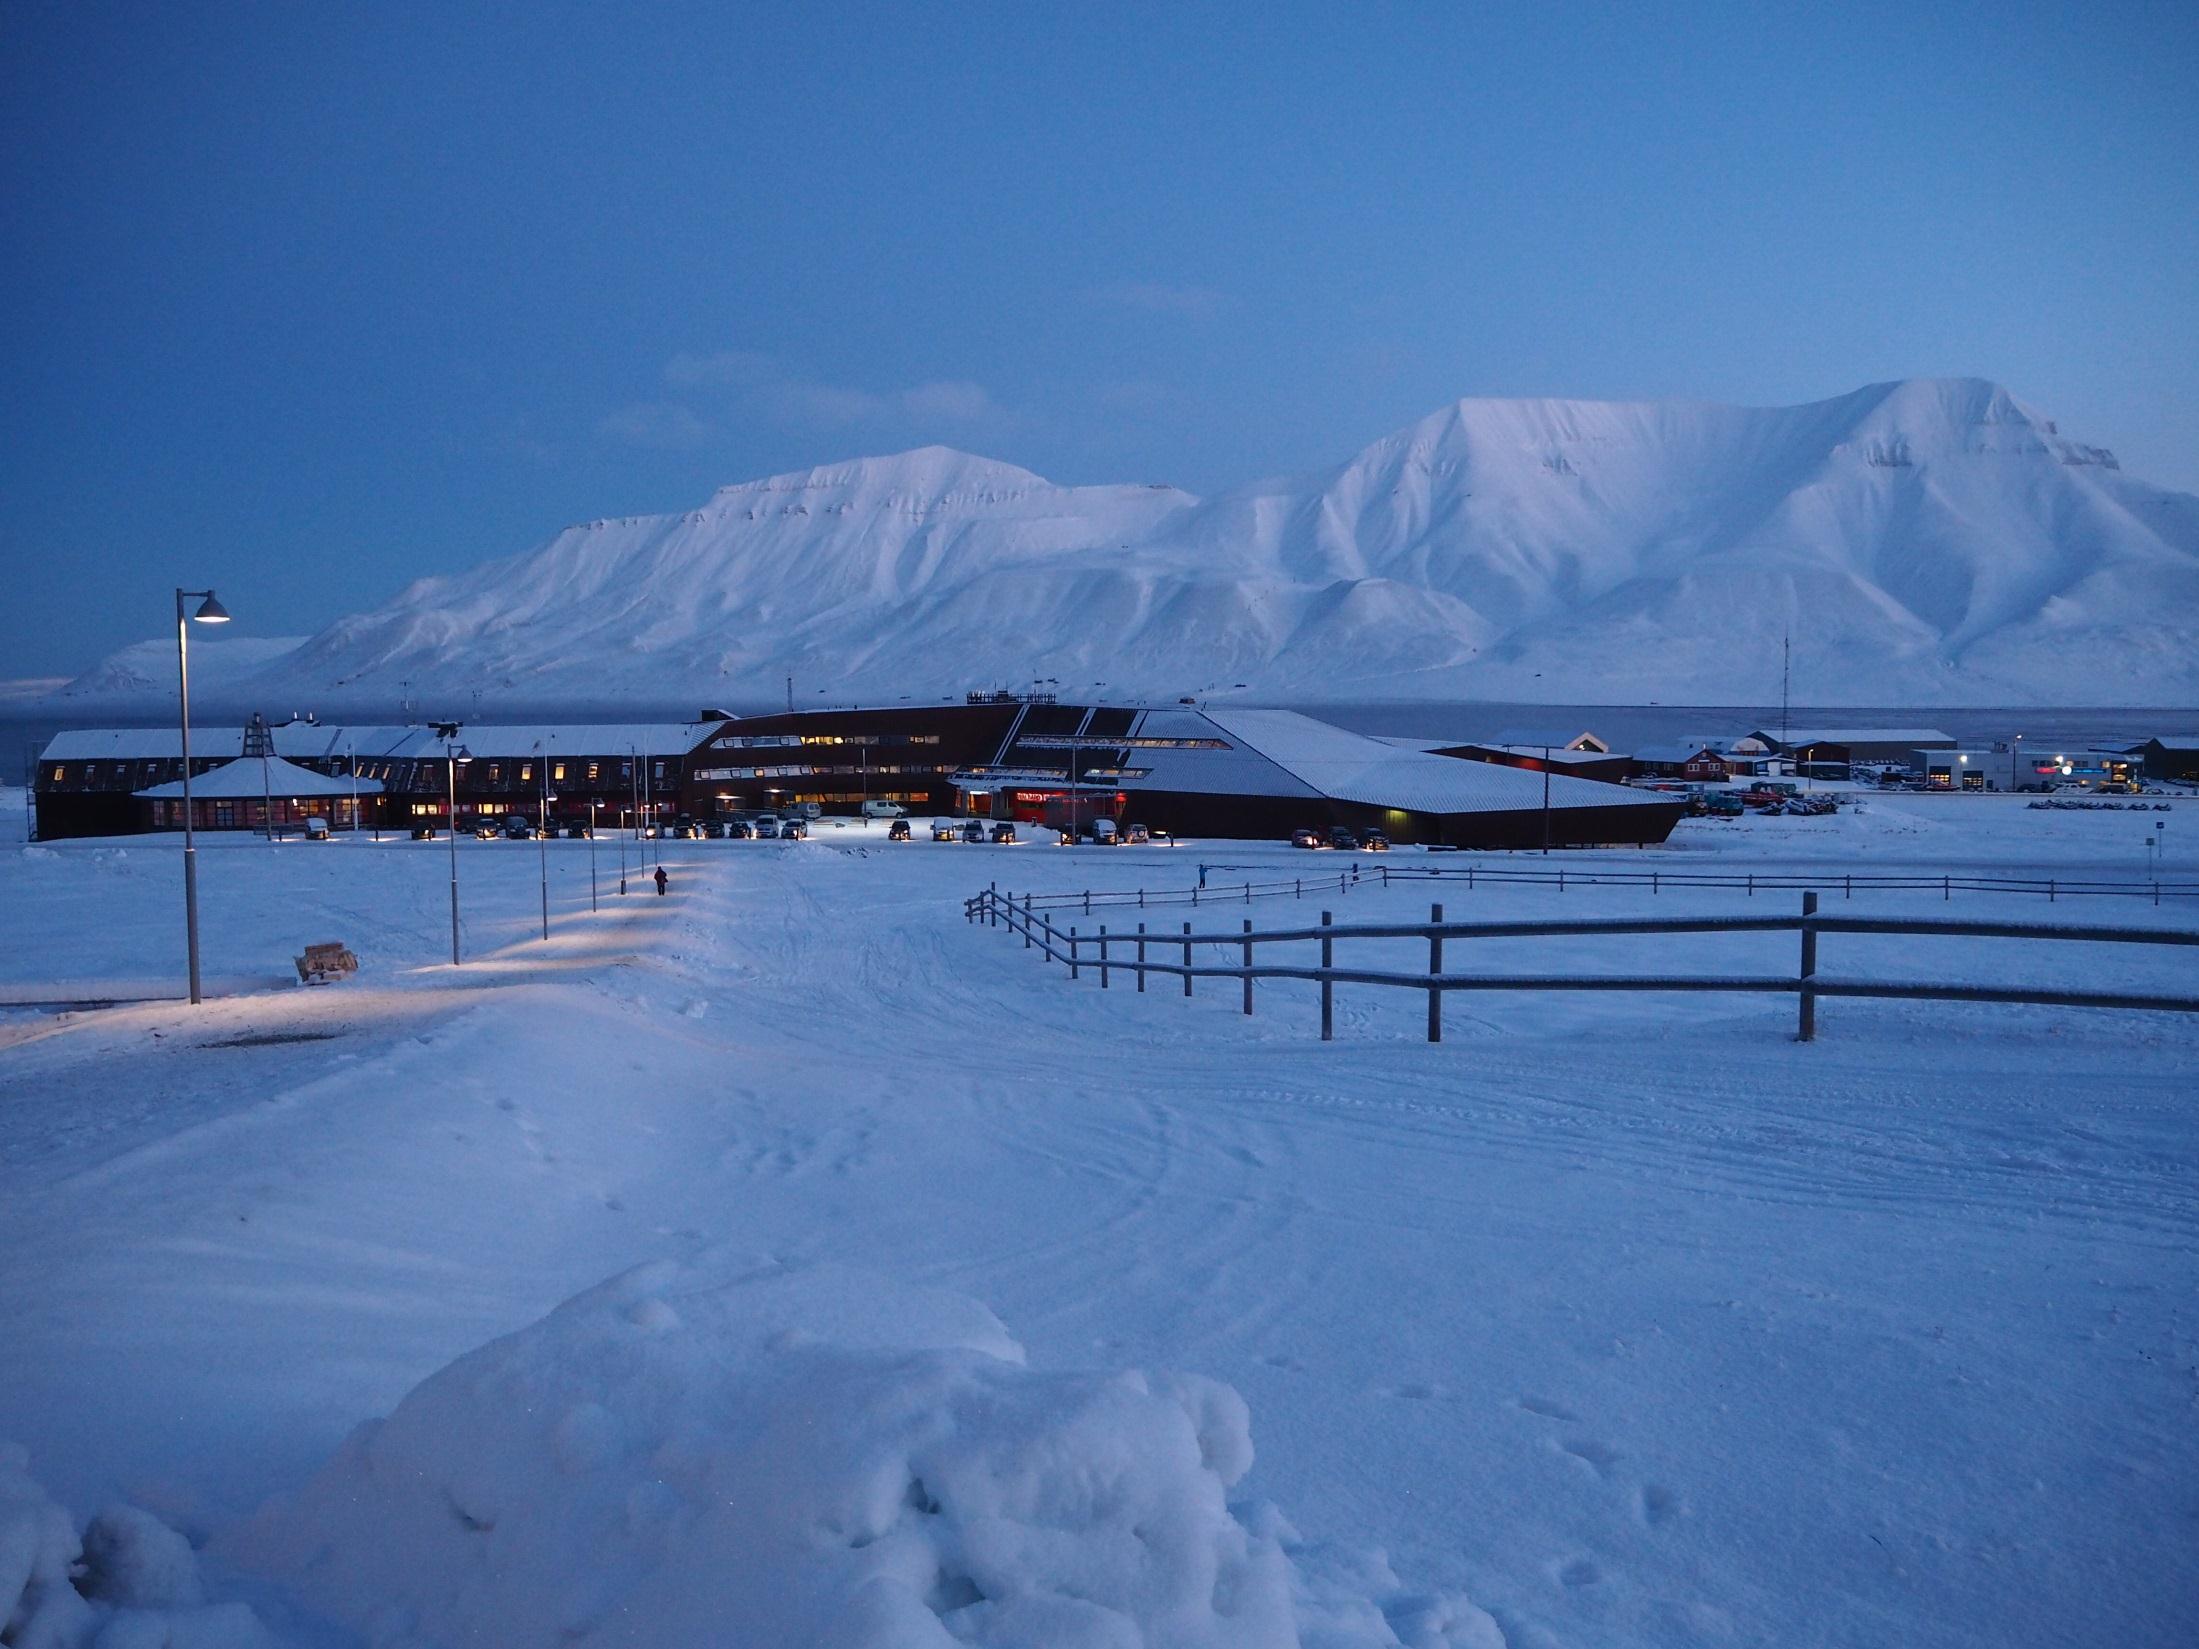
[[210, 611]]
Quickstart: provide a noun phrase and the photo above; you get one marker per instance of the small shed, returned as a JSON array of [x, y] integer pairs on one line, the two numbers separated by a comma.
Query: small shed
[[238, 795]]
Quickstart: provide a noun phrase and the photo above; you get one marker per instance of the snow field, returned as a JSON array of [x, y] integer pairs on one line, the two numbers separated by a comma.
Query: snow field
[[1623, 1317]]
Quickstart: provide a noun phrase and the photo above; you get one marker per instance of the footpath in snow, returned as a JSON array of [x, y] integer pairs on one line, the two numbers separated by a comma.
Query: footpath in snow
[[531, 1301]]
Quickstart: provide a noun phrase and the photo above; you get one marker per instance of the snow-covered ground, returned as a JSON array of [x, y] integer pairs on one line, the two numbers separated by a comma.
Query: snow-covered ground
[[1612, 1320]]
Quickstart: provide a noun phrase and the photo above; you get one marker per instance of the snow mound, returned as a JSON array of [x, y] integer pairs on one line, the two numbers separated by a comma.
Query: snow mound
[[808, 1457], [131, 1582]]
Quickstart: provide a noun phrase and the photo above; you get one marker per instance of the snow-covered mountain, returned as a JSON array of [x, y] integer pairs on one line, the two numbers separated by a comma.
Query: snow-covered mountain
[[1925, 542]]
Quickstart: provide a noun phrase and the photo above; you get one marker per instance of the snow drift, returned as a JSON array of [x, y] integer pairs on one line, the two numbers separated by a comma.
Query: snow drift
[[131, 1582], [808, 1457], [1925, 542]]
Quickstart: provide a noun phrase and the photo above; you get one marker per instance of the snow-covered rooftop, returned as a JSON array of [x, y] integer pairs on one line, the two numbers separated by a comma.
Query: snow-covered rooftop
[[322, 741], [248, 776]]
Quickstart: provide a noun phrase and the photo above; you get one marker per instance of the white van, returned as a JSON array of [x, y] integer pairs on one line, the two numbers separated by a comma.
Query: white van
[[884, 810], [316, 830]]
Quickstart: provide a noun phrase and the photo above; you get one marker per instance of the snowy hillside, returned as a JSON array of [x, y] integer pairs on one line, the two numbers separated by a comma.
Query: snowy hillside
[[1926, 542]]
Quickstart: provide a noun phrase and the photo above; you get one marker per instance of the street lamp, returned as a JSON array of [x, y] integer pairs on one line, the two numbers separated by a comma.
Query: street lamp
[[448, 732], [542, 836], [210, 611], [592, 853]]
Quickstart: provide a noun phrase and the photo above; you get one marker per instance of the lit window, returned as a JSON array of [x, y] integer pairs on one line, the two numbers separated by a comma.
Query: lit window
[[558, 772]]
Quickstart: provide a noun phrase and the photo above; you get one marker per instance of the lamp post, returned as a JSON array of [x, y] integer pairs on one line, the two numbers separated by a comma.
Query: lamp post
[[592, 854], [1546, 798], [448, 732], [2015, 764], [542, 838], [210, 611]]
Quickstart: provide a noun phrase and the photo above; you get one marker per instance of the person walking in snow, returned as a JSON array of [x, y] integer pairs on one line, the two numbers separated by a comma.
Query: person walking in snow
[[663, 881]]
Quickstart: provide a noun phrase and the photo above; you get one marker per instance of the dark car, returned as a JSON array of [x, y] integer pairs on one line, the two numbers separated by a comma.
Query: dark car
[[1004, 832], [974, 831], [423, 833], [793, 830], [740, 830], [1342, 839], [580, 830], [1161, 838], [1306, 836], [1373, 841], [898, 831], [714, 829]]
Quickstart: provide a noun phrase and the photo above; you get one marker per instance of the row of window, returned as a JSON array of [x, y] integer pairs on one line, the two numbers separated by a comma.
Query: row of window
[[777, 741]]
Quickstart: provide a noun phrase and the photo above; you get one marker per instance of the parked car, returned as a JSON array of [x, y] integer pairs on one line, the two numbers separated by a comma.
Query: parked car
[[517, 829], [580, 830], [714, 829], [740, 830], [1342, 839], [1004, 832], [485, 831], [1373, 841], [1306, 836], [1163, 838], [793, 830], [316, 830], [884, 810], [974, 831], [1136, 835], [688, 832], [1067, 838], [943, 830], [1102, 832], [423, 833], [898, 831], [767, 826]]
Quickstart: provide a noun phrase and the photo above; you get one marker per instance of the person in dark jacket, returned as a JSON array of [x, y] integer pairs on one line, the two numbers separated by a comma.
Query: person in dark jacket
[[663, 881]]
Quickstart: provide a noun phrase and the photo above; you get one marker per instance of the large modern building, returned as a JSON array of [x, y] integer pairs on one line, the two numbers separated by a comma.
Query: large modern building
[[1190, 769]]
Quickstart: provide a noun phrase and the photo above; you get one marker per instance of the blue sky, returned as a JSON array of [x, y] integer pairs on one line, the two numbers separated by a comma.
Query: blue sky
[[307, 301]]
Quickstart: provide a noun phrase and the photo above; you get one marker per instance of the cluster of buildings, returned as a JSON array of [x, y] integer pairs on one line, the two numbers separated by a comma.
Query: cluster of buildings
[[1193, 769]]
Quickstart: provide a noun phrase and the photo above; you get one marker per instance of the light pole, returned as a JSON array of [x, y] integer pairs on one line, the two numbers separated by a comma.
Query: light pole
[[351, 760], [592, 853], [1546, 798], [448, 733], [542, 839], [2015, 764], [211, 611]]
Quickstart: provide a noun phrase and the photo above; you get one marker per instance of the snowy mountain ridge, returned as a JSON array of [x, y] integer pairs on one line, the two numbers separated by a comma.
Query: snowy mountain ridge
[[1929, 541]]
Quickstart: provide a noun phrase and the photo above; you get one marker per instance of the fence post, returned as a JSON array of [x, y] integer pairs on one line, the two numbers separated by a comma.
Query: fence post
[[1435, 967], [2050, 890], [1187, 959], [1561, 881], [1808, 1029], [1141, 958], [1248, 964], [1026, 921], [1752, 884], [1087, 901], [1946, 888], [1248, 893], [1072, 953], [1328, 986], [1653, 884], [1103, 956], [992, 904]]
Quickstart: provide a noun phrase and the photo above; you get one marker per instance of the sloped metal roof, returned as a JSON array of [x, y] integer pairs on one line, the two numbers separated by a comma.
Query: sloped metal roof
[[249, 776]]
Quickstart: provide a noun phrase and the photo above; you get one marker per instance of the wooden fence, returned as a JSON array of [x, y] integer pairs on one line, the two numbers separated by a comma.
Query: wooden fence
[[1141, 952], [1211, 890]]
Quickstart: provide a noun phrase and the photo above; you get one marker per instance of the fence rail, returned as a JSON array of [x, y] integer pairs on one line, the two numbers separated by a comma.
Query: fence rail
[[1209, 891], [1135, 953]]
